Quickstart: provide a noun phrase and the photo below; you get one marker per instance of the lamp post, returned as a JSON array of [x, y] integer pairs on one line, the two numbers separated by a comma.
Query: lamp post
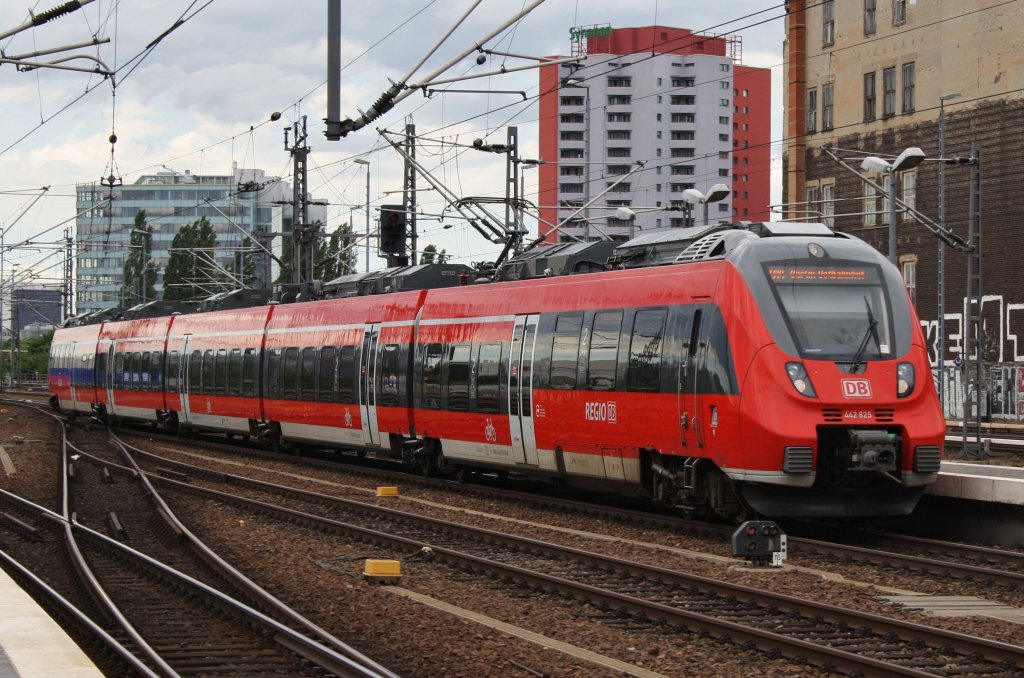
[[628, 215], [942, 247], [360, 161], [908, 159], [716, 193]]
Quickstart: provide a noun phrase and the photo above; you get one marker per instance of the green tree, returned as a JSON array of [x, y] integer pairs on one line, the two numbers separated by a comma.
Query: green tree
[[243, 265], [189, 277], [140, 271], [430, 255], [35, 354], [335, 256]]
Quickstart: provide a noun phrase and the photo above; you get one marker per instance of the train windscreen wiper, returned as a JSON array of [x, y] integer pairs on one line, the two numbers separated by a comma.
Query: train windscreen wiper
[[871, 333]]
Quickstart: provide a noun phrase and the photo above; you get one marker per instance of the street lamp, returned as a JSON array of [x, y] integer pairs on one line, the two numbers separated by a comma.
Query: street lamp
[[360, 161], [942, 247], [629, 215], [908, 159], [716, 193]]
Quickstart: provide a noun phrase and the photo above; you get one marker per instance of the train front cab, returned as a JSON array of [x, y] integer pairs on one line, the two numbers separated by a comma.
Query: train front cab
[[839, 412]]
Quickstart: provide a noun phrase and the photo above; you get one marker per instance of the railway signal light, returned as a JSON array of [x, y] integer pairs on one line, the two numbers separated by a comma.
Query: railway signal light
[[760, 541], [393, 227]]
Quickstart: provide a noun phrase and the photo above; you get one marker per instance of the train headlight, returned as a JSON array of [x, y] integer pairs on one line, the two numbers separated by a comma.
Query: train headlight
[[801, 382], [904, 379]]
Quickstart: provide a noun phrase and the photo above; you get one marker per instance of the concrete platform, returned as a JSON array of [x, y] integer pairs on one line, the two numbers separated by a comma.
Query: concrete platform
[[980, 482], [32, 645]]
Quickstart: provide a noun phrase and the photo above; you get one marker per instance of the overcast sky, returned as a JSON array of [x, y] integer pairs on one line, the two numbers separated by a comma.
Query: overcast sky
[[201, 99]]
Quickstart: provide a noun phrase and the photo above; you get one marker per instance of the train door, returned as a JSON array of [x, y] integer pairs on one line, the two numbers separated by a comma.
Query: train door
[[520, 385], [688, 396], [72, 376], [367, 381], [185, 387]]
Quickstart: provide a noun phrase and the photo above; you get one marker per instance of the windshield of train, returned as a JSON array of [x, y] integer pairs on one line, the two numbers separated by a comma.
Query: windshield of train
[[834, 311]]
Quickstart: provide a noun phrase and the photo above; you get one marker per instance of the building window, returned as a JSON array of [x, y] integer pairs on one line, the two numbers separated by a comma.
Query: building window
[[619, 81], [683, 82], [683, 117], [619, 99], [571, 171], [813, 202], [724, 84], [909, 192], [908, 267], [682, 152], [618, 152], [827, 99], [617, 134], [571, 101], [570, 188], [812, 110], [908, 87], [828, 22], [869, 96], [682, 100], [723, 119], [723, 102], [682, 135], [899, 12], [889, 97], [870, 205], [571, 153], [620, 117], [616, 170], [828, 204], [722, 67], [723, 172], [570, 136], [869, 17], [723, 137]]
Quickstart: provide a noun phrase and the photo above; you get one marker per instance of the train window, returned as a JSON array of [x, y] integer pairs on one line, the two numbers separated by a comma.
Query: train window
[[645, 346], [118, 370], [290, 374], [209, 372], [347, 375], [432, 375], [273, 381], [155, 359], [488, 369], [325, 383], [222, 371], [235, 372], [604, 350], [716, 374], [101, 370], [565, 351], [307, 374], [135, 369], [390, 366], [195, 370], [173, 366], [458, 377], [142, 371], [249, 373]]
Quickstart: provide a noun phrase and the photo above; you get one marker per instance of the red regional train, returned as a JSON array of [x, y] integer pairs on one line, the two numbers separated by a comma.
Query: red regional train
[[776, 369]]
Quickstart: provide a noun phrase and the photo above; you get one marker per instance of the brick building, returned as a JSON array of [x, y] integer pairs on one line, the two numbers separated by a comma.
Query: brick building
[[871, 78]]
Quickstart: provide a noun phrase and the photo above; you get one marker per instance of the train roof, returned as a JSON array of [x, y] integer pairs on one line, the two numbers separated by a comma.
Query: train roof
[[660, 247]]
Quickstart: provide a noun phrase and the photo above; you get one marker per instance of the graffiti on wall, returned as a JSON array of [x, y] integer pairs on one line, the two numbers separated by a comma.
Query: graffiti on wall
[[1001, 354]]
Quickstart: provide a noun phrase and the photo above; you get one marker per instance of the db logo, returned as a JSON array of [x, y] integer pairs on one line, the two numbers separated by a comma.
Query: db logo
[[856, 388]]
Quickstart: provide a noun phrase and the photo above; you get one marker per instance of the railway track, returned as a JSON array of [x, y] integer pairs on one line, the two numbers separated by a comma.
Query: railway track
[[826, 636], [196, 615], [941, 559]]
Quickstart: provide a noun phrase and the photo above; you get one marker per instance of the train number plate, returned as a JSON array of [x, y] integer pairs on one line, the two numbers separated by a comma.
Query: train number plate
[[858, 414]]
